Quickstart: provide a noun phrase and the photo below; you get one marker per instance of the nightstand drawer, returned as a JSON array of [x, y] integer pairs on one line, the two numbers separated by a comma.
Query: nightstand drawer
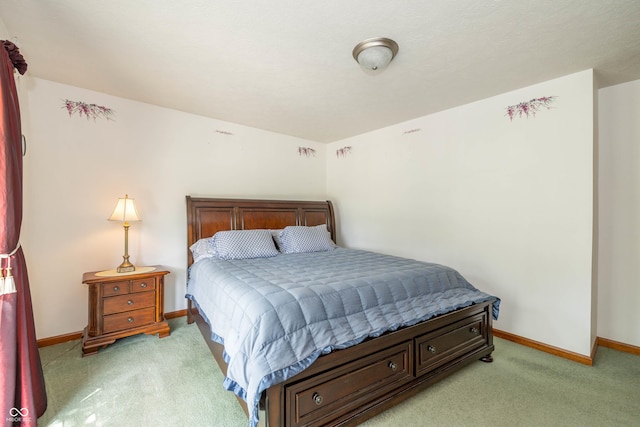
[[143, 285], [129, 302], [115, 288], [129, 319]]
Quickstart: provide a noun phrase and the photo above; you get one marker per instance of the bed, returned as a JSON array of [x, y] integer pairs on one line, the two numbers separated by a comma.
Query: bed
[[336, 384]]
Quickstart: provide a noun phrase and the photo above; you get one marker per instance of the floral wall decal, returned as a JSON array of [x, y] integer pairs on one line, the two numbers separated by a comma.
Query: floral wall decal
[[89, 110], [306, 151], [524, 109], [342, 152]]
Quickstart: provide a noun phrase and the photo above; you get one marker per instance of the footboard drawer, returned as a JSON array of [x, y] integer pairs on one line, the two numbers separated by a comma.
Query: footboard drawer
[[450, 342], [323, 398]]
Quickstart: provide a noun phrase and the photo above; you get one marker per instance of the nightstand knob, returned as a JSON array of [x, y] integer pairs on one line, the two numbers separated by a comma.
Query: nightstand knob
[[116, 288], [130, 302], [431, 349], [130, 320], [143, 285]]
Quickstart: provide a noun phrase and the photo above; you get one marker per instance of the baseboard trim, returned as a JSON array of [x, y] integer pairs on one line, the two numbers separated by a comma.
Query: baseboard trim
[[585, 360], [174, 314], [616, 345], [59, 339]]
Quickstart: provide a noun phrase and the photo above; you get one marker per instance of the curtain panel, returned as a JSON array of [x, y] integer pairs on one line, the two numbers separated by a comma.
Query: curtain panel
[[22, 389]]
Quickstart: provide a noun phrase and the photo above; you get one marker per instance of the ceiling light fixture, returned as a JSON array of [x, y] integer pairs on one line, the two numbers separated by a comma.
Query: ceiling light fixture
[[375, 54]]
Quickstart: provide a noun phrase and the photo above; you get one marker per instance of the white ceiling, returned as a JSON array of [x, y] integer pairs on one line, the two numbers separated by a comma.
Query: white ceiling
[[286, 65]]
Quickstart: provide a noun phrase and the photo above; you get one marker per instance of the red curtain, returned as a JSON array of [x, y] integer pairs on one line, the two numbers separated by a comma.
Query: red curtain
[[23, 396]]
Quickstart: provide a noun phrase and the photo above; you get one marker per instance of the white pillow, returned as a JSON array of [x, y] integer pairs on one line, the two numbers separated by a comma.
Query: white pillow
[[202, 249], [276, 237], [297, 239], [241, 244]]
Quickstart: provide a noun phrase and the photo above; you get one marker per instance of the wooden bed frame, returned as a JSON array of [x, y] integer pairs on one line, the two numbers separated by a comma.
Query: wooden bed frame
[[345, 387]]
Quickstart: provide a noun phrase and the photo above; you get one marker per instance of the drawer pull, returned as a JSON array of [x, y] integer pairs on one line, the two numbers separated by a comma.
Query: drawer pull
[[473, 330], [116, 288], [317, 399], [393, 366], [130, 302], [431, 349], [130, 320], [143, 285]]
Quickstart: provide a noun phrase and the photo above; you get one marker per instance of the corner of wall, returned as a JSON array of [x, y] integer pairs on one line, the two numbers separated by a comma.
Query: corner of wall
[[595, 232], [618, 204]]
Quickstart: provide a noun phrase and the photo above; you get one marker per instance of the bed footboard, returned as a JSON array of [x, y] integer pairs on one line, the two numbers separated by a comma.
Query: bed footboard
[[349, 386]]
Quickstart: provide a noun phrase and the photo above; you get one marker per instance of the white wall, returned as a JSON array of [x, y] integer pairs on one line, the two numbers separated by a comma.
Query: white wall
[[75, 169], [619, 189], [4, 33], [507, 203]]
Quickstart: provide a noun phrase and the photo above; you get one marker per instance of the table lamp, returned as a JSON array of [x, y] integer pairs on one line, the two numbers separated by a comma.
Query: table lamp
[[125, 212]]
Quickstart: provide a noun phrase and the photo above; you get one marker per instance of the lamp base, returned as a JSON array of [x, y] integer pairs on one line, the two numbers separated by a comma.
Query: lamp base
[[126, 266]]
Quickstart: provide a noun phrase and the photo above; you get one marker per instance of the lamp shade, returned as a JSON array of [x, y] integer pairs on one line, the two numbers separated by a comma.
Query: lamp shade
[[375, 54], [125, 211]]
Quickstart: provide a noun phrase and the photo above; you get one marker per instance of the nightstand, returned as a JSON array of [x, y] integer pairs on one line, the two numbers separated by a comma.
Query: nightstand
[[124, 304]]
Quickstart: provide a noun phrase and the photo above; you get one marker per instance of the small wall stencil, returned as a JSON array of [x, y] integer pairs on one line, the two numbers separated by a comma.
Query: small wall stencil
[[411, 131], [306, 151], [92, 111], [342, 152], [524, 109]]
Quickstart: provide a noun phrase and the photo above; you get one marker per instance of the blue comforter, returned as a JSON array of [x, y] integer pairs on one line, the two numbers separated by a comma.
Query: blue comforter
[[275, 316]]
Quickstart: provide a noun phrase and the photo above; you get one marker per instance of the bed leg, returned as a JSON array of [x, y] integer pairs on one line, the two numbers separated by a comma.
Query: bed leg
[[189, 313], [487, 359]]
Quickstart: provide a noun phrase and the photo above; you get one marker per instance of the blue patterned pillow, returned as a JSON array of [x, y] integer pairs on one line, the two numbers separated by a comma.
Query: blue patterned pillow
[[240, 244], [296, 239]]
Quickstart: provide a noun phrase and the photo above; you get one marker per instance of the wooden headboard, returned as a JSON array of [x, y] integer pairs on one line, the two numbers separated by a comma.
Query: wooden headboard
[[206, 216]]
